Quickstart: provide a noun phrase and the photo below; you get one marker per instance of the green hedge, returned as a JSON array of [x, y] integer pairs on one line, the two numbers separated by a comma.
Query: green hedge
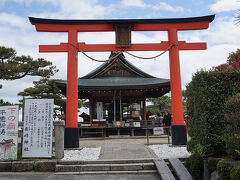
[[235, 173], [228, 170], [223, 169], [232, 117], [195, 165], [206, 96]]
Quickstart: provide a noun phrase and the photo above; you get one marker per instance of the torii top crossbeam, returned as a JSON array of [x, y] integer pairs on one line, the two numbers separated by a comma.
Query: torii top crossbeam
[[53, 25], [123, 28]]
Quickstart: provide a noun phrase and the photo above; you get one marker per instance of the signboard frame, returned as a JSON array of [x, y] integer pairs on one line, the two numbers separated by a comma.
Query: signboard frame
[[9, 117], [38, 128], [158, 131]]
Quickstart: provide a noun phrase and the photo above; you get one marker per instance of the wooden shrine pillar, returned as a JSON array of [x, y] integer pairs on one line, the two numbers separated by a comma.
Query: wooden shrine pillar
[[71, 130], [120, 105], [114, 106], [178, 128], [144, 109], [90, 110]]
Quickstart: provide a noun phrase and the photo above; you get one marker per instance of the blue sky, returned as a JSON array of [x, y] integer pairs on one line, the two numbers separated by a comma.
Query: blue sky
[[120, 9], [17, 32]]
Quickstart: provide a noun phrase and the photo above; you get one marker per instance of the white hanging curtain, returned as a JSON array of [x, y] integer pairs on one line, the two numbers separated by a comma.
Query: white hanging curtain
[[99, 110]]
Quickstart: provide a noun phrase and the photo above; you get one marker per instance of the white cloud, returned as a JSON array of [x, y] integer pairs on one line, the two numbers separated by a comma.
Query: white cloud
[[225, 5], [71, 9], [11, 88], [225, 30], [135, 3], [83, 9], [75, 9], [13, 20], [166, 7], [160, 6], [191, 61]]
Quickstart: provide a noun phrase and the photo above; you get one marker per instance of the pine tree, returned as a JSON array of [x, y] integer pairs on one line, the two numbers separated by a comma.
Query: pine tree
[[15, 67], [47, 88]]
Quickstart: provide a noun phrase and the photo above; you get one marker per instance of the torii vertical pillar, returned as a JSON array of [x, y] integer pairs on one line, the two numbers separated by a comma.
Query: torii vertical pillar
[[71, 138], [179, 136]]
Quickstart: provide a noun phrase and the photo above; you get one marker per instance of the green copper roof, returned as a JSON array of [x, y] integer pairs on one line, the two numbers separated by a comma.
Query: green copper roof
[[119, 83], [136, 80]]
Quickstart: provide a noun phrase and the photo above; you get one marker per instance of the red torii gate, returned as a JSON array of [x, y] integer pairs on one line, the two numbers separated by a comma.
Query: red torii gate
[[72, 27]]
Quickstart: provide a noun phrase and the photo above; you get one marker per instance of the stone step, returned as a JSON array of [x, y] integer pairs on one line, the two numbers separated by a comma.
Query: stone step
[[105, 167], [115, 161], [108, 172]]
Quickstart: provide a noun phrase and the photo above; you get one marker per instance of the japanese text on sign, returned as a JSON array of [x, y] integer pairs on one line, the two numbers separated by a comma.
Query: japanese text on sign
[[8, 132], [38, 128]]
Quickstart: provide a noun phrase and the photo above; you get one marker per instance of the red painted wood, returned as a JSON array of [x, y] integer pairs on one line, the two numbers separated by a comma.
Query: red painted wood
[[79, 28], [182, 45], [167, 26], [172, 28], [72, 82], [192, 46], [175, 76], [54, 48], [109, 27]]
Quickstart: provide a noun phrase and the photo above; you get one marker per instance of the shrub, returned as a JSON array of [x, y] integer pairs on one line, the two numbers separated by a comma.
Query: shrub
[[232, 117], [233, 146], [212, 163], [192, 145], [196, 164], [235, 173], [223, 170], [206, 96]]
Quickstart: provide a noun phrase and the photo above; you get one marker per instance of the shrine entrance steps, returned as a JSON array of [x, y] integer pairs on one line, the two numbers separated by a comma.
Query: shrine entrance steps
[[141, 166], [169, 169], [172, 169]]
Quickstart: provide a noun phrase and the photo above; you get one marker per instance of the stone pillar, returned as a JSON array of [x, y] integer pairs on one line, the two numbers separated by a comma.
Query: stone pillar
[[59, 139], [206, 172]]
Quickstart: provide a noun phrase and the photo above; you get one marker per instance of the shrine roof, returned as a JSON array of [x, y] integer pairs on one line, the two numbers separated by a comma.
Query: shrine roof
[[106, 64], [34, 20], [134, 79], [119, 83]]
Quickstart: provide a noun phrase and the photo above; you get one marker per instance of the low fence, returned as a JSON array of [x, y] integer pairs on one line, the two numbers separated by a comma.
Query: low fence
[[132, 128], [128, 123]]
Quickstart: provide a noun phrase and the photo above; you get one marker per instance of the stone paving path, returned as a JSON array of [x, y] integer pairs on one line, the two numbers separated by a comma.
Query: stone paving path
[[125, 149], [52, 176]]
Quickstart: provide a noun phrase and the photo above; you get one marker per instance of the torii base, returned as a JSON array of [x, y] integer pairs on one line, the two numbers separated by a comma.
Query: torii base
[[71, 138], [179, 135]]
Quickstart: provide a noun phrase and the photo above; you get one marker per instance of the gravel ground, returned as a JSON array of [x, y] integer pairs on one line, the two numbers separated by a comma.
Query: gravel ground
[[93, 143], [91, 148], [165, 151], [85, 154]]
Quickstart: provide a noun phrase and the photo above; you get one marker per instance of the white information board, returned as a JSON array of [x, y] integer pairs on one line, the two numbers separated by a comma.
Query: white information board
[[38, 128], [158, 131], [8, 132]]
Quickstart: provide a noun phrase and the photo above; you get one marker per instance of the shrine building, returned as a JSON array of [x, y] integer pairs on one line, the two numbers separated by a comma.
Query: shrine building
[[117, 92]]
